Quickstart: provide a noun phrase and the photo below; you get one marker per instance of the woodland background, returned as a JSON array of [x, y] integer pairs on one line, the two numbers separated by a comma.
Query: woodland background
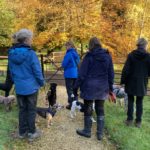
[[118, 23]]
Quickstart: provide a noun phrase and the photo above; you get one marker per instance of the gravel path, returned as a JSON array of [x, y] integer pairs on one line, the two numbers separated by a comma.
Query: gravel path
[[61, 135]]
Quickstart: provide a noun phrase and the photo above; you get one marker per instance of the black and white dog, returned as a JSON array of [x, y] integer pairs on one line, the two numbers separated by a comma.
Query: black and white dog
[[76, 105]]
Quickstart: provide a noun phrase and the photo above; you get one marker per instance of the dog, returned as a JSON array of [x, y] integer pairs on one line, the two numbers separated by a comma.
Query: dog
[[121, 96], [7, 101], [76, 105], [51, 95], [47, 113]]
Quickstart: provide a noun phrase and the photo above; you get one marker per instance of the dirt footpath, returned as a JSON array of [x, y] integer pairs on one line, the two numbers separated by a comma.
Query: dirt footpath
[[62, 134]]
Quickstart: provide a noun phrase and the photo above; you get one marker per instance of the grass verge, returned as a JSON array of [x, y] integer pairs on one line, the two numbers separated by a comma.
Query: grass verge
[[128, 138], [8, 122]]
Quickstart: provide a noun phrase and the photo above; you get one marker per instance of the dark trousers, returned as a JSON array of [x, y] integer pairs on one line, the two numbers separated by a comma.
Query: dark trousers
[[70, 82], [27, 113], [99, 107], [139, 108]]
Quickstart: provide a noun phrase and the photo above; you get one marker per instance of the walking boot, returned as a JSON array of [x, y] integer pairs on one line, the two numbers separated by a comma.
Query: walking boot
[[128, 122], [137, 124], [86, 132], [100, 127]]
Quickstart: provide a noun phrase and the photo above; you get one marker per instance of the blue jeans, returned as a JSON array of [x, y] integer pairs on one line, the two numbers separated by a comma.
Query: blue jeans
[[27, 112], [70, 82]]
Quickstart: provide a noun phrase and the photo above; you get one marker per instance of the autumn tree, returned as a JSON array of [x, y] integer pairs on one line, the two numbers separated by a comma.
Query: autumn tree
[[62, 20], [6, 24], [123, 23], [139, 18], [118, 23], [114, 24]]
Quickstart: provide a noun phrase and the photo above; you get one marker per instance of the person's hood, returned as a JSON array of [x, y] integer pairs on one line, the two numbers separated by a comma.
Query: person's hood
[[99, 54], [139, 54], [73, 52], [18, 53]]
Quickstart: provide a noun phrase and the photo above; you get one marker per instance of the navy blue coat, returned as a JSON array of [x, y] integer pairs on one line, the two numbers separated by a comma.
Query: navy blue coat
[[96, 75]]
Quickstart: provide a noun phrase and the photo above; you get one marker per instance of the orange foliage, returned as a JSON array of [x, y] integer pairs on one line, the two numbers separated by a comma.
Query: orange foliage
[[53, 22]]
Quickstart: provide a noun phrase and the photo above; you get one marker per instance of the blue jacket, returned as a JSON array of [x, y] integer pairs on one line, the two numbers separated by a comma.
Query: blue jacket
[[96, 75], [70, 64], [25, 69]]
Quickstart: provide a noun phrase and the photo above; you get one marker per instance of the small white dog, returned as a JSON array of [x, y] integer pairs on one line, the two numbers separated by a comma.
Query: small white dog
[[76, 105]]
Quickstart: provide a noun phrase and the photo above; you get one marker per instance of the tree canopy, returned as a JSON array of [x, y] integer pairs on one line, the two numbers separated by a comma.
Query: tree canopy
[[118, 23], [6, 23]]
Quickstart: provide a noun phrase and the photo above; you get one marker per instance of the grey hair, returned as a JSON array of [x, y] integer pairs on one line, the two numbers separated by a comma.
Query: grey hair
[[22, 35], [141, 42]]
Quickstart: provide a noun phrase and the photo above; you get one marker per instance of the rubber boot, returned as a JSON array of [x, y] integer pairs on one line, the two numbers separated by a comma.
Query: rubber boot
[[86, 132], [100, 127]]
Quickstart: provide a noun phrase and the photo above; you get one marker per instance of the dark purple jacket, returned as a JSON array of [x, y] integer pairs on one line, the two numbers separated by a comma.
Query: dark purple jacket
[[96, 75]]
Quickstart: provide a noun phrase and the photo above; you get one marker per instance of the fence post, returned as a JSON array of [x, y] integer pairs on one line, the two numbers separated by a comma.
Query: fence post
[[42, 64], [81, 47]]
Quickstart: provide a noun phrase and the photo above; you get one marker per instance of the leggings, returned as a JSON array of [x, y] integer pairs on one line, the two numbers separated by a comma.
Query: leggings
[[99, 107]]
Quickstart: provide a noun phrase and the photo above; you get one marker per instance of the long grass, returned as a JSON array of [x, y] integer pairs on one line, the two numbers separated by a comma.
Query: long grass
[[128, 138]]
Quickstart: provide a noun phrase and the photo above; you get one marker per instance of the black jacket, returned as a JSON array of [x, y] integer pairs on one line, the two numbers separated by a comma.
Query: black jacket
[[136, 72]]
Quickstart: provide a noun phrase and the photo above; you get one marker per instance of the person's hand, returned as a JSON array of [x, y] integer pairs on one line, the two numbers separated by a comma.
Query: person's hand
[[112, 97]]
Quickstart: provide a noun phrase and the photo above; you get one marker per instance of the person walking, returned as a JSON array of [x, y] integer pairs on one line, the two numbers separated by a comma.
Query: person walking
[[70, 66], [135, 75], [26, 73], [96, 76]]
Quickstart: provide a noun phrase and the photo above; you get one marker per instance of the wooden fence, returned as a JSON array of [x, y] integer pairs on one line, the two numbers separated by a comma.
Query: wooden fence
[[51, 68]]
